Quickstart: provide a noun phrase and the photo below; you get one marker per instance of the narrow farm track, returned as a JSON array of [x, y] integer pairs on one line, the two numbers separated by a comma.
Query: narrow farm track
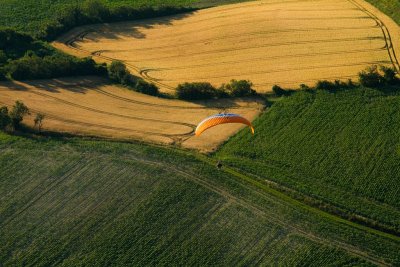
[[386, 34], [268, 42]]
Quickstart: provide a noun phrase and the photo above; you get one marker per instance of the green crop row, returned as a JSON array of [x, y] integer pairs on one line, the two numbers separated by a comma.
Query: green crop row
[[33, 16], [341, 148], [73, 202]]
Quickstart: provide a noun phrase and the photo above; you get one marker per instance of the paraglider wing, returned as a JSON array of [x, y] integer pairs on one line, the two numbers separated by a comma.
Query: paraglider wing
[[221, 119]]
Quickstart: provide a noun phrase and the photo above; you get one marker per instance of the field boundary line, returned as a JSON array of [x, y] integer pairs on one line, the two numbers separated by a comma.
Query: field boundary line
[[386, 34]]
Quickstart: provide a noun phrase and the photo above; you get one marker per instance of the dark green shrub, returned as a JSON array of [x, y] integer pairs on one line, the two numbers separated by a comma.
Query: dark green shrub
[[279, 91], [304, 87], [2, 75], [351, 84], [146, 88], [5, 120], [239, 88], [371, 77], [196, 91], [11, 39], [32, 66], [389, 75], [17, 113], [118, 72], [95, 10], [327, 85], [3, 57]]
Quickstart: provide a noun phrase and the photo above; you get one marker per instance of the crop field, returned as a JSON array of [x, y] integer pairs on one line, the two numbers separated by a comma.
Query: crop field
[[342, 148], [31, 15], [88, 106], [104, 203], [267, 42]]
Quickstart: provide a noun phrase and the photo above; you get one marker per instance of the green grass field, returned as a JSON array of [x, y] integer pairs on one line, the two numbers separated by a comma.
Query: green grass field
[[342, 148], [82, 202], [30, 15]]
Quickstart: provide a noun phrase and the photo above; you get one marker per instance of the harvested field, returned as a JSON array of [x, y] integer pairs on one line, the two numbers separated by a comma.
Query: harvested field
[[267, 42], [90, 106]]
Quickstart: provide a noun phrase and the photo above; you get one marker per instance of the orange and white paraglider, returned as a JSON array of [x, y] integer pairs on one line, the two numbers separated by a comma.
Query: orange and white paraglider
[[221, 118]]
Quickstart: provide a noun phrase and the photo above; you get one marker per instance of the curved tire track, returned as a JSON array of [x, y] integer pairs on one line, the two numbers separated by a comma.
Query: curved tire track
[[386, 34]]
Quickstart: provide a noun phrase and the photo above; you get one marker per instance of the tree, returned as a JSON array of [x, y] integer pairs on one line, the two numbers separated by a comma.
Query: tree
[[96, 10], [371, 77], [239, 88], [389, 75], [3, 57], [196, 91], [146, 88], [39, 121], [17, 113], [5, 120], [278, 91], [118, 72]]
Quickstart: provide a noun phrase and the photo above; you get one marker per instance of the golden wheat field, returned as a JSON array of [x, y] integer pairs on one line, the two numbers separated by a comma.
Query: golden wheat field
[[268, 42], [90, 106]]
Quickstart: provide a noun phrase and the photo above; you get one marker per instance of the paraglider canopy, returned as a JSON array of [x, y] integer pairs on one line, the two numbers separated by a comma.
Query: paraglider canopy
[[221, 119]]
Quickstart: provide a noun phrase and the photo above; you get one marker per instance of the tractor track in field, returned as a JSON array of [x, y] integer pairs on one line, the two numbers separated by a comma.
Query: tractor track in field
[[256, 59], [233, 36], [192, 126], [144, 72], [129, 100], [284, 70], [321, 41], [250, 21], [386, 34], [176, 138]]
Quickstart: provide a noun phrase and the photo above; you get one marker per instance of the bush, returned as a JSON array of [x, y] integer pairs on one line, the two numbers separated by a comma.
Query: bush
[[196, 91], [371, 77], [279, 91], [95, 10], [11, 39], [389, 75], [17, 113], [327, 85], [2, 75], [239, 88], [304, 87], [32, 66], [3, 57], [5, 120], [146, 88], [336, 85], [118, 72]]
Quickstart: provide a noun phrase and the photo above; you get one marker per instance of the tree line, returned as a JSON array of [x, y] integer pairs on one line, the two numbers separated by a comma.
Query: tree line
[[118, 72], [10, 120], [23, 58], [373, 77], [205, 90], [94, 11]]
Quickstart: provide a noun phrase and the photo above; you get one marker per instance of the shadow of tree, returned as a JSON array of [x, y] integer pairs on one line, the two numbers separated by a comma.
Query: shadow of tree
[[80, 84], [129, 29]]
